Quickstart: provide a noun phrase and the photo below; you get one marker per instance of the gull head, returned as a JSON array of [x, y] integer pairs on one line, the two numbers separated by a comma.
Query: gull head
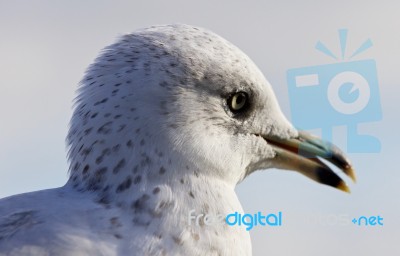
[[174, 102]]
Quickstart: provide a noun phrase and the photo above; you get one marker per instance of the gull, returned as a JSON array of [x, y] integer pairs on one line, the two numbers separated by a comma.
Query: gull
[[167, 121]]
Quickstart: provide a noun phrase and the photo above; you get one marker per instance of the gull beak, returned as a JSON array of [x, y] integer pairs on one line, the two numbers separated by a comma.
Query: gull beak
[[304, 154]]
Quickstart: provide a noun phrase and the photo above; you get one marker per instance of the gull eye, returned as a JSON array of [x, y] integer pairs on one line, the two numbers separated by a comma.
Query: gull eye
[[238, 102]]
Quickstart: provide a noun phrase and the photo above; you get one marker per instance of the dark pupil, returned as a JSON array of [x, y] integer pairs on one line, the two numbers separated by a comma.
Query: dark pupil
[[239, 99]]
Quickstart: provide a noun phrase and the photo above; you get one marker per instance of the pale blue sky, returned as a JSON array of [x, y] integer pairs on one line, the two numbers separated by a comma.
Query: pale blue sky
[[45, 47]]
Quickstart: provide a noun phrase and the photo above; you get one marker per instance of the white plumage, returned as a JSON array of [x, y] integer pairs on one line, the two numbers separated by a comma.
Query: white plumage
[[167, 120]]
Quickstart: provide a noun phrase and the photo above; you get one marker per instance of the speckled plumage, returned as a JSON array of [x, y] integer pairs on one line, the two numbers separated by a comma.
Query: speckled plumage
[[152, 138]]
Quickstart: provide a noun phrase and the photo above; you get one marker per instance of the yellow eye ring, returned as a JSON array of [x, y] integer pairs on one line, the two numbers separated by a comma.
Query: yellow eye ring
[[238, 101]]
